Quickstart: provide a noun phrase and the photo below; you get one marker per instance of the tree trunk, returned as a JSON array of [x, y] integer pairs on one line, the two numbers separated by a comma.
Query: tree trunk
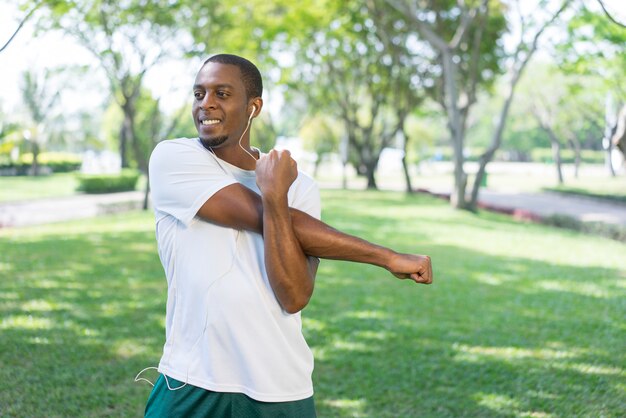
[[146, 193], [35, 150], [575, 144], [496, 141], [318, 162], [455, 126], [123, 146], [407, 175], [457, 197], [370, 167], [556, 154], [405, 165]]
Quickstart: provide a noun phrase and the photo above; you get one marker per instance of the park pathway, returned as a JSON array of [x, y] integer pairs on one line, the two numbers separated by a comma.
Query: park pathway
[[529, 205], [44, 211], [582, 208]]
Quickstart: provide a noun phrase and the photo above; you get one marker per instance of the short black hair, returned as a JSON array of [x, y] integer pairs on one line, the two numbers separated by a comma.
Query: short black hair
[[250, 74]]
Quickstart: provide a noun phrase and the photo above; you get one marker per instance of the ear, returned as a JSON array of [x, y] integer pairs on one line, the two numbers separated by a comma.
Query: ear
[[255, 107]]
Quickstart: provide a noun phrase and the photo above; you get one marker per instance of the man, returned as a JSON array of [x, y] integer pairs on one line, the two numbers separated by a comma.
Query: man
[[239, 238]]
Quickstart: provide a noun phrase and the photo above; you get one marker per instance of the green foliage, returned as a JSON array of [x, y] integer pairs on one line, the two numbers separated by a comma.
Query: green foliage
[[321, 134], [519, 327], [125, 181], [183, 125], [264, 132], [570, 105], [568, 156], [58, 162], [612, 231], [594, 46]]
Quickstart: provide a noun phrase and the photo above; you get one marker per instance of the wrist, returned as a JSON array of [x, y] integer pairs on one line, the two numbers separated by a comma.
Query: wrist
[[387, 257], [274, 200]]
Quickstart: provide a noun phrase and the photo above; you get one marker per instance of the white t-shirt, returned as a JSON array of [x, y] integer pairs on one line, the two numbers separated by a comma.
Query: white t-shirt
[[225, 330]]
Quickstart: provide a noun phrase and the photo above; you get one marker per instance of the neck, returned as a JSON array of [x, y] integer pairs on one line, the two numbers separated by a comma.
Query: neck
[[243, 156]]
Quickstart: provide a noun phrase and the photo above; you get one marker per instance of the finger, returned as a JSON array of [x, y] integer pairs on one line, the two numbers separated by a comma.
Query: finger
[[419, 278]]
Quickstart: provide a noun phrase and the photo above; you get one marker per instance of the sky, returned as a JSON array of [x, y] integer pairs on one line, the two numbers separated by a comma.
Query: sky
[[53, 49]]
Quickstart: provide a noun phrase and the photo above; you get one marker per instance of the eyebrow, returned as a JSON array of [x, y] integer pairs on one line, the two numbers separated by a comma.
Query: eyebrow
[[219, 86]]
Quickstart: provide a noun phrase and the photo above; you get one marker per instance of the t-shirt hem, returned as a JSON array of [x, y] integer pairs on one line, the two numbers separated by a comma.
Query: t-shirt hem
[[215, 387]]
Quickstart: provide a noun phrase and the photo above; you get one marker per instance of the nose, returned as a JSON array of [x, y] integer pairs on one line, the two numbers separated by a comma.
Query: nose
[[208, 102]]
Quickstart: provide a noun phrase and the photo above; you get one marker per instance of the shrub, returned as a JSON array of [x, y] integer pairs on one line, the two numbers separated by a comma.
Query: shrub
[[56, 162], [59, 162], [125, 181], [544, 155], [613, 231]]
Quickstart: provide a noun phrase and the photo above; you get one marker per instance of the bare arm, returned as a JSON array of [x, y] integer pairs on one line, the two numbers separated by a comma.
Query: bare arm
[[287, 265], [238, 207]]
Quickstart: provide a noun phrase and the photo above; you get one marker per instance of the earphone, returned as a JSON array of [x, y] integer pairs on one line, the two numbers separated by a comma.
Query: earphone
[[246, 130]]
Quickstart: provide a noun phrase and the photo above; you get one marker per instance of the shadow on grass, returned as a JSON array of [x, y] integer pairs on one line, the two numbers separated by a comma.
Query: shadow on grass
[[81, 315], [495, 335], [466, 346]]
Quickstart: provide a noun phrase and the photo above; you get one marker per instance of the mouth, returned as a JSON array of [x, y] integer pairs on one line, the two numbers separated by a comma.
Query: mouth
[[208, 122]]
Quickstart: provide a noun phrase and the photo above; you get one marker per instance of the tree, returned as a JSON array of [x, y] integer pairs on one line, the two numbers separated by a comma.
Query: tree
[[595, 47], [28, 13], [321, 135], [567, 108], [41, 106], [127, 40], [462, 54], [344, 67]]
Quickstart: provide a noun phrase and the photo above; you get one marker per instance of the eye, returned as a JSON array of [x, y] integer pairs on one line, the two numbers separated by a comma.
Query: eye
[[221, 93], [198, 95]]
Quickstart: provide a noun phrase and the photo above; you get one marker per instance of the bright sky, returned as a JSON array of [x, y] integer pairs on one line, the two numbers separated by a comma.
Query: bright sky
[[53, 49]]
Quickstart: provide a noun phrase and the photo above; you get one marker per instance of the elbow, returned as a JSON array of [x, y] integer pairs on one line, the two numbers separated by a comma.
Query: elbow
[[296, 302], [296, 306]]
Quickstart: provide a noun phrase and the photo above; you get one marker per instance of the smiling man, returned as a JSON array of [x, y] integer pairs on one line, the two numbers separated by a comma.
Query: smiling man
[[239, 237]]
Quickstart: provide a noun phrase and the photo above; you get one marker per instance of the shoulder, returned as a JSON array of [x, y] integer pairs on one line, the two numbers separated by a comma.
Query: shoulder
[[305, 180], [176, 145], [177, 151]]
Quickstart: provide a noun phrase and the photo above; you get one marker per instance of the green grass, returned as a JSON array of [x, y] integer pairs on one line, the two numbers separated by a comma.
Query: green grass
[[14, 188], [522, 319], [595, 192]]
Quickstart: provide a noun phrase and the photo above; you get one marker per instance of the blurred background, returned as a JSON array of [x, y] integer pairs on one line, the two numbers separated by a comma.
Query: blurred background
[[443, 96], [517, 107]]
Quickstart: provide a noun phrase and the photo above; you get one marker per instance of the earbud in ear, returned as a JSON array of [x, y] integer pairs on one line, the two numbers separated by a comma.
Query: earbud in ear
[[252, 113]]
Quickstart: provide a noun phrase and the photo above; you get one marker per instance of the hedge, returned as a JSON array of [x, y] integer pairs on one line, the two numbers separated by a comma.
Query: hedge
[[125, 181], [58, 162], [544, 155]]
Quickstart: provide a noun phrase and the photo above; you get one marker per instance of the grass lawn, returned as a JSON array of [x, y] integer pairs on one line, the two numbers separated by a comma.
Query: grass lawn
[[13, 188], [522, 320], [530, 178]]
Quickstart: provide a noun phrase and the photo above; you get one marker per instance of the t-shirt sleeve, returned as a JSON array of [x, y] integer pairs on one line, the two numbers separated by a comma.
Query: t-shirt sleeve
[[183, 178], [307, 199]]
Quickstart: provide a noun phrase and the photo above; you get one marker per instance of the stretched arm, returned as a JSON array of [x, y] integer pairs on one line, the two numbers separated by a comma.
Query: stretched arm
[[288, 269], [238, 207]]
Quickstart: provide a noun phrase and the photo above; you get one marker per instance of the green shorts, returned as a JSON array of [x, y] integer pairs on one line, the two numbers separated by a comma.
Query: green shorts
[[191, 401]]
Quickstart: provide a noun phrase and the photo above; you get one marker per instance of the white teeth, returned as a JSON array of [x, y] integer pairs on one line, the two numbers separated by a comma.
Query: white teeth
[[210, 121]]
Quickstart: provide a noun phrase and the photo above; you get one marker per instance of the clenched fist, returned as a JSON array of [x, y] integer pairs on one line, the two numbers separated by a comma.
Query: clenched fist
[[408, 266], [275, 172]]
